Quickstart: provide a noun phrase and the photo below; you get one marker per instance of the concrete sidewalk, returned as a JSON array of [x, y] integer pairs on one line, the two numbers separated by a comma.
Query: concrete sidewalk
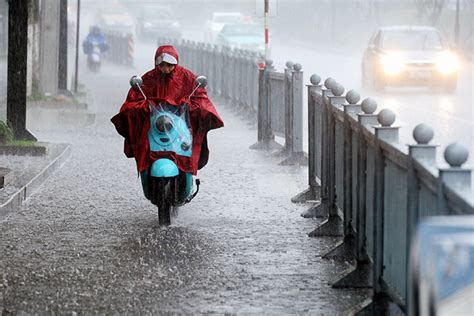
[[27, 173], [91, 242]]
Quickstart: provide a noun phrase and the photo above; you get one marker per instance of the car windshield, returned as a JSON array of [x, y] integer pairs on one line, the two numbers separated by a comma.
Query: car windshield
[[227, 18], [412, 40], [242, 30], [159, 13], [114, 11]]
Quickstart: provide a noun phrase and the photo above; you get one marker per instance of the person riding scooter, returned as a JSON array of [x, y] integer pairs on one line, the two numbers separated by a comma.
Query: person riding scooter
[[164, 94], [93, 46]]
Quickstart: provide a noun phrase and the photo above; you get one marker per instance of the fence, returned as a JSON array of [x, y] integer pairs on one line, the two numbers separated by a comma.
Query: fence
[[275, 98], [372, 190], [121, 47]]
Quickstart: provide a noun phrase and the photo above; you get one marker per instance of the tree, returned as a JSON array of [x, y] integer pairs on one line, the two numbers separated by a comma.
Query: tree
[[430, 9]]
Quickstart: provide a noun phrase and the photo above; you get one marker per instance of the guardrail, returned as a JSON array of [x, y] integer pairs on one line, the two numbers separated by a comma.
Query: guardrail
[[374, 190], [121, 47], [371, 189], [237, 75]]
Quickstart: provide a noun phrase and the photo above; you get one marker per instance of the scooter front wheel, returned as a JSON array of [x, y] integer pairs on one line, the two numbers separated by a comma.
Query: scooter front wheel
[[162, 196]]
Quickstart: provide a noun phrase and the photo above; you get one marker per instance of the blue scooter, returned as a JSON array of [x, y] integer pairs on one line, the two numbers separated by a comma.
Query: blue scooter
[[163, 183]]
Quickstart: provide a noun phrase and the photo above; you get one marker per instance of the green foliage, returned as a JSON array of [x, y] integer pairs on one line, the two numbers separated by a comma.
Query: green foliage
[[22, 143], [36, 96], [6, 134]]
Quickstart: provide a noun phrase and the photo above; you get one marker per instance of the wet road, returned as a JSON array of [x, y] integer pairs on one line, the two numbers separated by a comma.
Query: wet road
[[87, 241]]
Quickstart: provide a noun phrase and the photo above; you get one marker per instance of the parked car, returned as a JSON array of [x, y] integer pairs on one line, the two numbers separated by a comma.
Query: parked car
[[219, 19], [409, 55], [115, 18], [157, 21], [441, 270], [247, 36]]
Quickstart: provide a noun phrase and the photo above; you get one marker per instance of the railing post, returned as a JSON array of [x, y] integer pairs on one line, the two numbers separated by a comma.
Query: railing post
[[352, 108], [297, 156], [380, 300], [288, 111], [424, 153], [265, 138], [345, 249], [313, 192], [321, 209], [455, 177], [333, 225], [224, 68], [361, 275], [235, 73]]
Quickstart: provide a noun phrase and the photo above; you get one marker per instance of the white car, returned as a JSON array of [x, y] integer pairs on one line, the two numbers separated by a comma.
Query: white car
[[247, 36], [217, 22]]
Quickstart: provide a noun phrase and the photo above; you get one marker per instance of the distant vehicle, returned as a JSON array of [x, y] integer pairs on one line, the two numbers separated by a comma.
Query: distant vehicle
[[157, 21], [246, 36], [409, 55], [441, 269], [218, 21], [115, 18]]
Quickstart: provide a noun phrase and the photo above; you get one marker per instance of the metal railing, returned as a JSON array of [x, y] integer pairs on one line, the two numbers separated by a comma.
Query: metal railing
[[371, 189], [274, 98]]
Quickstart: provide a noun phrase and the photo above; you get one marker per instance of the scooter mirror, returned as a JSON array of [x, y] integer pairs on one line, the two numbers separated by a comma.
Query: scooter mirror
[[136, 81], [201, 81]]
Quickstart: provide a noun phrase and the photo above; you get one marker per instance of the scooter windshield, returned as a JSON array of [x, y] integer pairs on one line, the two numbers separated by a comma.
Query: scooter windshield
[[170, 129]]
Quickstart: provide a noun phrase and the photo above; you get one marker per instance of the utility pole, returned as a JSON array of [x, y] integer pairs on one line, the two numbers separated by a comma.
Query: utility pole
[[17, 65], [62, 64], [77, 44], [265, 18], [49, 46], [456, 26]]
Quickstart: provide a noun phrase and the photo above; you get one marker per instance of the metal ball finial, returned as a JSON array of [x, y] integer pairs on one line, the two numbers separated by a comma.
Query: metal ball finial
[[369, 106], [329, 82], [289, 64], [386, 117], [337, 89], [315, 79], [297, 67], [423, 134], [352, 96], [456, 154], [268, 62]]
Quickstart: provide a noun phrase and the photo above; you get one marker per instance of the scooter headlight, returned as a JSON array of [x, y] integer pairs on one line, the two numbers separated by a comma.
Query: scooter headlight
[[164, 124]]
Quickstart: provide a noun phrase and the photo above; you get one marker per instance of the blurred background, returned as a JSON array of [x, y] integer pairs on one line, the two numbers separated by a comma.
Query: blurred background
[[337, 38]]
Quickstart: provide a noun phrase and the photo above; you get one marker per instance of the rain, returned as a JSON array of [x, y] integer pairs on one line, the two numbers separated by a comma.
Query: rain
[[80, 233]]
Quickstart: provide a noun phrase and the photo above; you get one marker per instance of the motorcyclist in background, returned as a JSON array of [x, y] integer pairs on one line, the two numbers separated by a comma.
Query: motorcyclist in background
[[95, 36]]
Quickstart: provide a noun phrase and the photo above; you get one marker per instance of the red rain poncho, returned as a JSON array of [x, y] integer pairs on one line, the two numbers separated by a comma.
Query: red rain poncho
[[133, 120]]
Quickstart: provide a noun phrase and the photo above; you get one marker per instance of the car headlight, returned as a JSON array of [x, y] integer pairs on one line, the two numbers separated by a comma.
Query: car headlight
[[447, 63], [391, 64]]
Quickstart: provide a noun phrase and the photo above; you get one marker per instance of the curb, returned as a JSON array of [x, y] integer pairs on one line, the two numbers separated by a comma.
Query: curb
[[23, 193]]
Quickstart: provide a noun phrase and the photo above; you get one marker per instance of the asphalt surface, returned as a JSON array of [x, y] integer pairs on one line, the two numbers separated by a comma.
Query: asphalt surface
[[88, 242]]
